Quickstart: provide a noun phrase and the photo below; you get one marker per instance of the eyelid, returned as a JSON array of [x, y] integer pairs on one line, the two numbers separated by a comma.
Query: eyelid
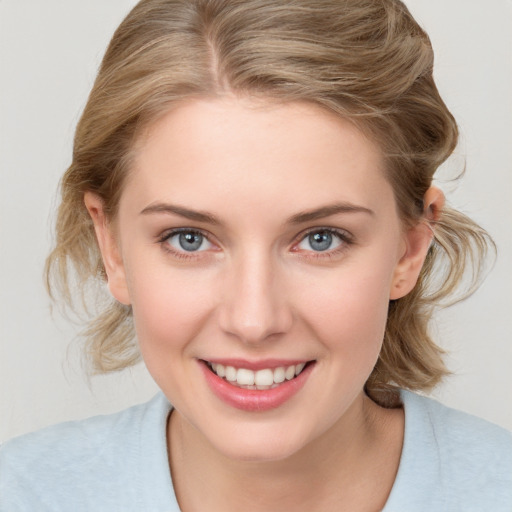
[[342, 233], [168, 233]]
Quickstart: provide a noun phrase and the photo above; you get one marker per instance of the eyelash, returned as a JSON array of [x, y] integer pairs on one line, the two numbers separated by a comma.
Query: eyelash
[[345, 238], [182, 255]]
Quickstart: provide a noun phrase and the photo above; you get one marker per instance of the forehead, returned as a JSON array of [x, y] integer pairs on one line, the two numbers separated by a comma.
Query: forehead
[[236, 151]]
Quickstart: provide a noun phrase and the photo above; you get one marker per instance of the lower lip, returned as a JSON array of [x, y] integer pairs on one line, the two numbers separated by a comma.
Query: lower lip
[[252, 399]]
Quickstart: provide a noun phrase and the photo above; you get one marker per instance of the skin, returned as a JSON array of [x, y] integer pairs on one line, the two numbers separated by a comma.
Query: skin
[[257, 289]]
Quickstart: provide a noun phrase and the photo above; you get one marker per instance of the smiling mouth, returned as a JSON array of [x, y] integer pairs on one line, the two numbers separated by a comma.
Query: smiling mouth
[[266, 378]]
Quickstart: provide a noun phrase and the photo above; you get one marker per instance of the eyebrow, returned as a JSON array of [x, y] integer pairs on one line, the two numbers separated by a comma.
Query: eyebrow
[[298, 218], [327, 211], [196, 215]]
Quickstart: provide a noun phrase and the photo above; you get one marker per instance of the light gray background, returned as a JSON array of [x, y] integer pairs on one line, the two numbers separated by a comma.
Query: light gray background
[[49, 53]]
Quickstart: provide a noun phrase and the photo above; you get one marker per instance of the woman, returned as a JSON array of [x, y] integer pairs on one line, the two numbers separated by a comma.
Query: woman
[[253, 180]]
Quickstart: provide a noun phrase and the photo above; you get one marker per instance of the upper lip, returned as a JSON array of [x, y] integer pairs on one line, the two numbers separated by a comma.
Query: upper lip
[[256, 365]]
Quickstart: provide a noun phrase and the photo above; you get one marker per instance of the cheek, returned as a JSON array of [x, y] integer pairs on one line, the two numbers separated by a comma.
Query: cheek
[[348, 309], [169, 308]]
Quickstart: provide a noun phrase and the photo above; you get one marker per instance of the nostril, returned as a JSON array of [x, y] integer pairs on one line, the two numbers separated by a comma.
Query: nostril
[[254, 306], [256, 325]]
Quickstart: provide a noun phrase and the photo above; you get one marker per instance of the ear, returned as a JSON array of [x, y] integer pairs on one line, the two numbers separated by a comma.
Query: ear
[[417, 242], [109, 248]]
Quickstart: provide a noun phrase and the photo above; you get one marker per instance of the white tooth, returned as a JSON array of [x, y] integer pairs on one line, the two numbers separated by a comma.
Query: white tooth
[[245, 377], [214, 367], [279, 375], [290, 372], [230, 374], [299, 368], [264, 377], [220, 370]]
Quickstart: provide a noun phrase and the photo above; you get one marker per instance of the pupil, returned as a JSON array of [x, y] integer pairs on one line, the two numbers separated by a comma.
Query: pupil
[[320, 241], [190, 241]]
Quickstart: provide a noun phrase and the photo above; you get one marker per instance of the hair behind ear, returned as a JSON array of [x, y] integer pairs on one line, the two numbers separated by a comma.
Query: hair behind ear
[[453, 269]]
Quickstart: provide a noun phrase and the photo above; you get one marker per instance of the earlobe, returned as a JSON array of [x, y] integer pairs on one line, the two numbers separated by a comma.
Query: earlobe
[[109, 248], [417, 243]]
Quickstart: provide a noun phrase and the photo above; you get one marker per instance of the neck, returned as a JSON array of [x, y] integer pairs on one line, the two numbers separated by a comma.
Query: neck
[[349, 467]]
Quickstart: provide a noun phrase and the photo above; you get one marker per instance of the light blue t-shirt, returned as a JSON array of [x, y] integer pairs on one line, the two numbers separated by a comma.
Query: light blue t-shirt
[[450, 462]]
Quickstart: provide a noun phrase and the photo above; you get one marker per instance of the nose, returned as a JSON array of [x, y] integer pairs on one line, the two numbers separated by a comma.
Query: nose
[[254, 305]]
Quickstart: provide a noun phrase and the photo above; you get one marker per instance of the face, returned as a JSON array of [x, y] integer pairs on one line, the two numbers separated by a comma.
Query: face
[[259, 246]]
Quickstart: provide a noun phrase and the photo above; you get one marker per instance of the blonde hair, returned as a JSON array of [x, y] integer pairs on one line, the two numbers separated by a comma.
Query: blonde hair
[[366, 60]]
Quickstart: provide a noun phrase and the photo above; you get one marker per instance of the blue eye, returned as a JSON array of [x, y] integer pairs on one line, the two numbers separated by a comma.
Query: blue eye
[[189, 241], [321, 240]]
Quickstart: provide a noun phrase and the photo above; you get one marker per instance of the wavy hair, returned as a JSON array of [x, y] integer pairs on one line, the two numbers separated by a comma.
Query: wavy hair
[[366, 60]]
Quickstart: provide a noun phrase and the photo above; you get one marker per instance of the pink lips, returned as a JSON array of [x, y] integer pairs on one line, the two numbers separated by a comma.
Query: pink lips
[[251, 399]]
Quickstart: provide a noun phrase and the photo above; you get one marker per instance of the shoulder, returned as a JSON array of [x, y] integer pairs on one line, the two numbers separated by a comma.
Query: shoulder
[[460, 437], [453, 460], [76, 462]]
